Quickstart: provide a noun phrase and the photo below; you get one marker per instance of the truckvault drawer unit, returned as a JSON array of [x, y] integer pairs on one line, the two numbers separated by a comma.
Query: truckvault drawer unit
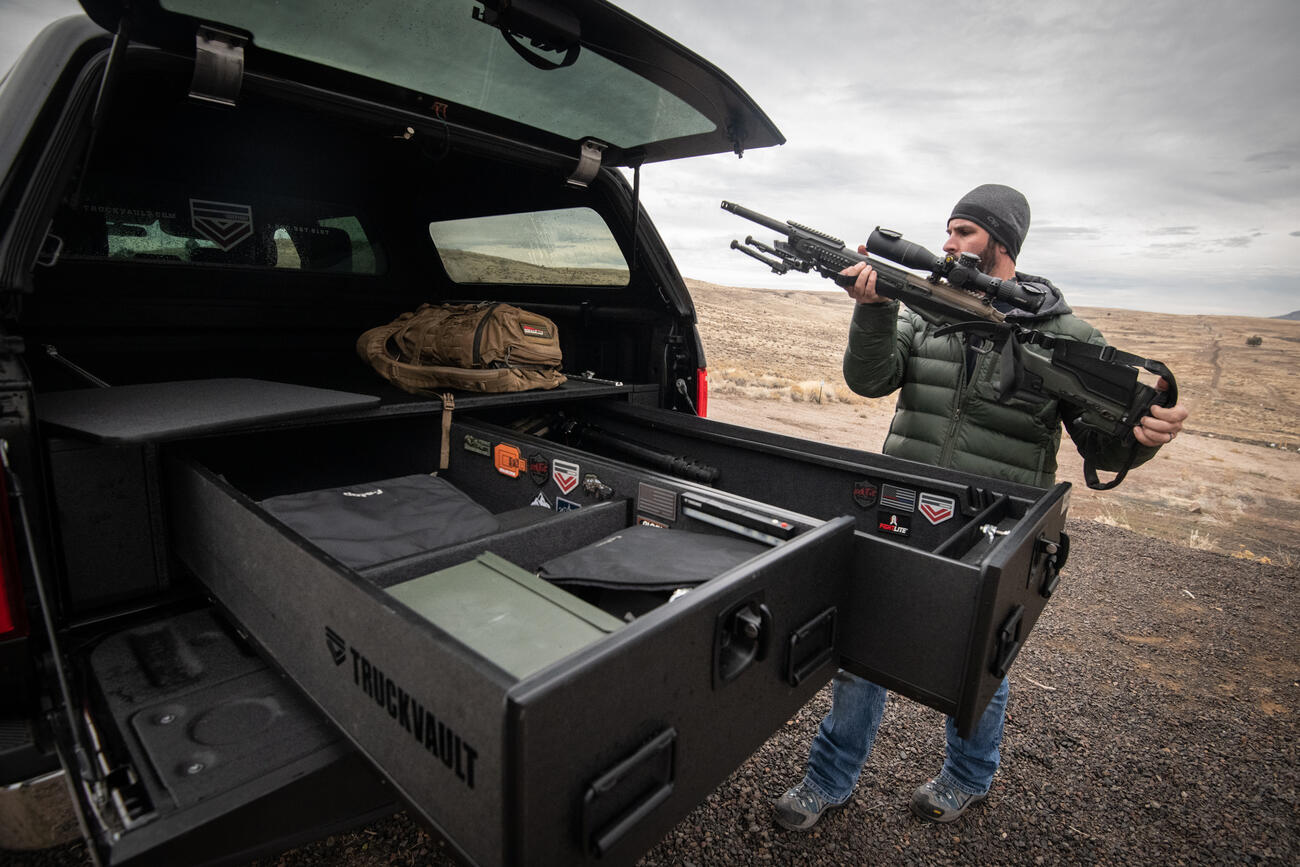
[[203, 206], [593, 752]]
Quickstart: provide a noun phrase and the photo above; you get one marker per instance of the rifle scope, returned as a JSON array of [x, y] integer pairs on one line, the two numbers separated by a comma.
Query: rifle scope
[[890, 245]]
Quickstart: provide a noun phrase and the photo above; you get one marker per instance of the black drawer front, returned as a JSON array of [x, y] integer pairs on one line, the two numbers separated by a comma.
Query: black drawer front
[[609, 754]]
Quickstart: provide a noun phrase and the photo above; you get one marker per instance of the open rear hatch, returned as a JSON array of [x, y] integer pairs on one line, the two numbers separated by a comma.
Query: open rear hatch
[[579, 77]]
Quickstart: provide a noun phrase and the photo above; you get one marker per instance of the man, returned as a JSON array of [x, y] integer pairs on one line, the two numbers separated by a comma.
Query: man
[[948, 415]]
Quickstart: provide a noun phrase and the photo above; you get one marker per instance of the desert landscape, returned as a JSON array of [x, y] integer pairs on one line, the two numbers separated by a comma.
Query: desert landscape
[[1230, 484]]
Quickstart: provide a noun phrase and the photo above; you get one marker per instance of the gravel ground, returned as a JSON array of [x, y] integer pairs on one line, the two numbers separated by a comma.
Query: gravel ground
[[1152, 718]]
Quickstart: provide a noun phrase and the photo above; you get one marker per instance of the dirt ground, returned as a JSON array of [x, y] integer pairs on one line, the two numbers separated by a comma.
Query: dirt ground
[[1153, 714]]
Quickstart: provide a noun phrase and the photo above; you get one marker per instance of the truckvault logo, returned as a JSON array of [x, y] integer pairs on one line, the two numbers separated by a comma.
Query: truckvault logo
[[565, 474], [937, 509], [226, 224], [435, 736], [338, 647]]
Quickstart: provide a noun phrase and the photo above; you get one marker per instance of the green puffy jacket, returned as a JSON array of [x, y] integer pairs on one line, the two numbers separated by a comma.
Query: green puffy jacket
[[947, 419]]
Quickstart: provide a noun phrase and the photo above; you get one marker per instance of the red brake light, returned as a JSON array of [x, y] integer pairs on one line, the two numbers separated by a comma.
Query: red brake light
[[13, 619], [702, 392]]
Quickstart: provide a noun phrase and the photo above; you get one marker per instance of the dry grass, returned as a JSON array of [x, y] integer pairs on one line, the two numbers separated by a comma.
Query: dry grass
[[742, 382]]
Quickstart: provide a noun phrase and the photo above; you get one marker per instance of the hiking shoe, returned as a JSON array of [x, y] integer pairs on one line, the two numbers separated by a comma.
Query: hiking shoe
[[800, 808], [941, 801]]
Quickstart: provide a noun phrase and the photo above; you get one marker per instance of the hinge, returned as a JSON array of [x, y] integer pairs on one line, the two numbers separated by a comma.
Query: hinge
[[736, 135], [588, 164], [51, 248], [218, 65]]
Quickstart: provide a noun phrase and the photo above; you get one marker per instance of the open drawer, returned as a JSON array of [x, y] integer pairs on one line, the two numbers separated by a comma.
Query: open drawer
[[593, 750], [950, 571]]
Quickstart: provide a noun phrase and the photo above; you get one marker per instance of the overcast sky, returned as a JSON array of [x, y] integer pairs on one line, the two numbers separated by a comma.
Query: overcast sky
[[1158, 142]]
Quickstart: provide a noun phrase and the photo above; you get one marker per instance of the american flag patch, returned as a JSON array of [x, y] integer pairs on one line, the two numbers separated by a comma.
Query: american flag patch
[[897, 499]]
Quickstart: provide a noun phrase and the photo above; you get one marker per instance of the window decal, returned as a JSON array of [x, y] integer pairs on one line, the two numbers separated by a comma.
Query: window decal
[[225, 224]]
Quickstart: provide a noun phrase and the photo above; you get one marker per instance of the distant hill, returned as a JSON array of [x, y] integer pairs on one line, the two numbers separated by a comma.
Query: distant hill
[[1294, 314], [465, 266]]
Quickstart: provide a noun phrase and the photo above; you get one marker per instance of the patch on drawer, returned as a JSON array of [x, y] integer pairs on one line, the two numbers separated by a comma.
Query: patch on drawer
[[594, 487], [539, 469], [656, 501], [897, 499], [565, 474], [865, 493], [508, 460], [894, 523], [937, 509], [478, 446]]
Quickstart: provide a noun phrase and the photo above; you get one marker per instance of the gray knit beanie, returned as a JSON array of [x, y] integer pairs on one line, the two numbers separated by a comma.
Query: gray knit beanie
[[1001, 211]]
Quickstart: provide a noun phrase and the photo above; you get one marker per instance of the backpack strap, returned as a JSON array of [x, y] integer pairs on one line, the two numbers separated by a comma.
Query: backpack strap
[[448, 404]]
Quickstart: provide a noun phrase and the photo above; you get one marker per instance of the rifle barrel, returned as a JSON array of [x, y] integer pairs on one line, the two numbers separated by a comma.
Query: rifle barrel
[[763, 220]]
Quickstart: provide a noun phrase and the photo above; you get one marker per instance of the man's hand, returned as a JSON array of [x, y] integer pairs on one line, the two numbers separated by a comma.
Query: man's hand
[[863, 289], [1162, 425]]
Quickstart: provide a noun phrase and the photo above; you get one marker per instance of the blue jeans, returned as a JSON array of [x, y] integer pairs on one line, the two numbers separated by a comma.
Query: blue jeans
[[844, 741]]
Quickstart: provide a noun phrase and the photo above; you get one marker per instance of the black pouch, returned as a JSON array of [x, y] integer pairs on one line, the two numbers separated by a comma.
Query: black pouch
[[650, 558], [362, 525]]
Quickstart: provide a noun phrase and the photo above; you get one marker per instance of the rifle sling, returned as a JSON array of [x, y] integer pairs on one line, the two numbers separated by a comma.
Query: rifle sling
[[1090, 469]]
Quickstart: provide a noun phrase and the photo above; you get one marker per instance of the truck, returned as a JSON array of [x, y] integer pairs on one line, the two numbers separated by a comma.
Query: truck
[[203, 205]]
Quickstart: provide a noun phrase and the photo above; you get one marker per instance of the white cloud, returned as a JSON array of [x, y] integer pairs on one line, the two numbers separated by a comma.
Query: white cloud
[[1116, 120]]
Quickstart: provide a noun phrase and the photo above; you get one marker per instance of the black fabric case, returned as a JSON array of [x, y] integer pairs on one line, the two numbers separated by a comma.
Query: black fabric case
[[650, 558], [361, 525]]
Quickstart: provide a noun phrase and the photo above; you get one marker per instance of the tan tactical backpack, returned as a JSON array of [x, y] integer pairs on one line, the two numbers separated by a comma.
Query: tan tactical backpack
[[488, 347]]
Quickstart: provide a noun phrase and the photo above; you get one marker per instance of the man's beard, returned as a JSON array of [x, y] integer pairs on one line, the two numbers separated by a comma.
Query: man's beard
[[987, 256]]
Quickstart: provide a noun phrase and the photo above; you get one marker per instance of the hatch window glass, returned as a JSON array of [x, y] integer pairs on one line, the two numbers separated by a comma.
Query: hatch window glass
[[440, 49], [567, 246]]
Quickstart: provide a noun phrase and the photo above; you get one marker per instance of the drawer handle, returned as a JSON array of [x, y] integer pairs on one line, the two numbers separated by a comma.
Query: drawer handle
[[810, 647], [1009, 642], [642, 782]]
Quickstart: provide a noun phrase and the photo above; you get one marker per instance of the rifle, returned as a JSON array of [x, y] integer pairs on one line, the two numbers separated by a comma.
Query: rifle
[[1097, 386]]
